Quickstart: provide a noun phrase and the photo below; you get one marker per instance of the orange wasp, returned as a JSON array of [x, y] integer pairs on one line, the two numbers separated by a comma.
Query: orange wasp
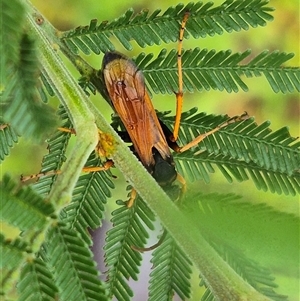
[[126, 88], [151, 139]]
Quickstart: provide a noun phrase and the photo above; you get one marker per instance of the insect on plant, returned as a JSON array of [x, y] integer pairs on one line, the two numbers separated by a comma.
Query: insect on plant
[[150, 137]]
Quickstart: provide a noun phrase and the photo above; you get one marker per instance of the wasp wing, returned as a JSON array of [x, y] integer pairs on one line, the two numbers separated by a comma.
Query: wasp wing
[[126, 88]]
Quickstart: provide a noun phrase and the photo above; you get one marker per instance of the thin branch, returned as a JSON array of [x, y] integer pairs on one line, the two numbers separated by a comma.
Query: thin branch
[[72, 97], [213, 269]]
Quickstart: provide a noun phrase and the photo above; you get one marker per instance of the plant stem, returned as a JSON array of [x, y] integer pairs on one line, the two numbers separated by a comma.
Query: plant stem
[[222, 280], [73, 99]]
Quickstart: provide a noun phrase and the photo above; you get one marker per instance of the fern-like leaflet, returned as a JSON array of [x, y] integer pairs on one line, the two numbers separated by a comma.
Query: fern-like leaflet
[[8, 138], [271, 159], [129, 229], [147, 29]]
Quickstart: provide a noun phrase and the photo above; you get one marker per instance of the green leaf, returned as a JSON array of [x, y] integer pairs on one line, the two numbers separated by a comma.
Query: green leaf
[[36, 282], [10, 35], [72, 264], [241, 150], [91, 191], [148, 29], [241, 232], [20, 101], [47, 84], [257, 276], [8, 138], [223, 70], [129, 229], [12, 257], [263, 233], [53, 161], [23, 207], [89, 200], [171, 272]]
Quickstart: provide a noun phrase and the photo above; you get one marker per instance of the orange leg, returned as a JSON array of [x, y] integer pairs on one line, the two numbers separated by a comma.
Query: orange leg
[[132, 198], [201, 137], [66, 130], [179, 99], [179, 94], [38, 175], [107, 165]]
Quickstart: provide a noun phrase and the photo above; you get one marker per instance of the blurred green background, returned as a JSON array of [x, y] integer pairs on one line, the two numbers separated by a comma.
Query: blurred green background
[[260, 101]]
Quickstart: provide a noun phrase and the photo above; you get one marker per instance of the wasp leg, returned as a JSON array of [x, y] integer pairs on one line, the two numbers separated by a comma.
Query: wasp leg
[[151, 248], [182, 181], [179, 94], [201, 137], [66, 130], [133, 195], [38, 175], [106, 165]]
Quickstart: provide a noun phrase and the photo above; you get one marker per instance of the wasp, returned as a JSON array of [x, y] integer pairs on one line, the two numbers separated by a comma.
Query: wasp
[[150, 137]]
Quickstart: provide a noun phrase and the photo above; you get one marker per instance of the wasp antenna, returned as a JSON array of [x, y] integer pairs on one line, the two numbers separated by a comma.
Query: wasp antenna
[[38, 175]]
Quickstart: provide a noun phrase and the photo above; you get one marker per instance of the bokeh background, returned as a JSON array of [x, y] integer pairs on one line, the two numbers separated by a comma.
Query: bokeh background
[[260, 101]]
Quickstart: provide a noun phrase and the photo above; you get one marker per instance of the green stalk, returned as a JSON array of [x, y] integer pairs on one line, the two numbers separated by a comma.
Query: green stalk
[[218, 275], [74, 100]]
